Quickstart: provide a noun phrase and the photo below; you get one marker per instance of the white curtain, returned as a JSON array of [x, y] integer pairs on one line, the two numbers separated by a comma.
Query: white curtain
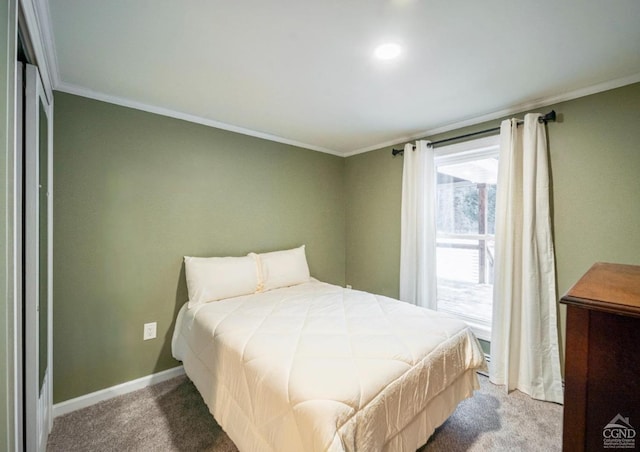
[[524, 339], [418, 227]]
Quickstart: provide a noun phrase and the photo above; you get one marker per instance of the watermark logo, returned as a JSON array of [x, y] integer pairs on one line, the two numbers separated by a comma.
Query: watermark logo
[[619, 434]]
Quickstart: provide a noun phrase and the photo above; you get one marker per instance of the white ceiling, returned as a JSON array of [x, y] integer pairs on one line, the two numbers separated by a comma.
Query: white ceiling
[[302, 72]]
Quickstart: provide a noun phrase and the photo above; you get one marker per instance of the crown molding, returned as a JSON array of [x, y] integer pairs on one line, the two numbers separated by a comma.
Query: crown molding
[[519, 108], [84, 92], [37, 21], [46, 33], [38, 17]]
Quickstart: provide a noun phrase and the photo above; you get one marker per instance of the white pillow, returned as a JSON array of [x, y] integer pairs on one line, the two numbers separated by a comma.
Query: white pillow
[[283, 268], [215, 278]]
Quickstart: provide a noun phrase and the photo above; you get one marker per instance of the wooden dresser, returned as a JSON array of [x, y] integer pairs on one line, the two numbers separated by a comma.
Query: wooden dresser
[[602, 366]]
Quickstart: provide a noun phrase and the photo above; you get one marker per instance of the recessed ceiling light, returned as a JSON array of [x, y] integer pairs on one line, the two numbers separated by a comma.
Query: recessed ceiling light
[[387, 51]]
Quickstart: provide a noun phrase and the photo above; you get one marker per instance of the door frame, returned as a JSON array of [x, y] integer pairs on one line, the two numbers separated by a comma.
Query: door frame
[[18, 250], [38, 398]]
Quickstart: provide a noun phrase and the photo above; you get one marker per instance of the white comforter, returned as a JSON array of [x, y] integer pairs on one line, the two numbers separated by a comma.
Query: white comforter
[[318, 367]]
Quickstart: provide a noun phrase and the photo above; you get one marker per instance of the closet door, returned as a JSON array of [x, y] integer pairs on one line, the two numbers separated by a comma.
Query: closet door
[[37, 270]]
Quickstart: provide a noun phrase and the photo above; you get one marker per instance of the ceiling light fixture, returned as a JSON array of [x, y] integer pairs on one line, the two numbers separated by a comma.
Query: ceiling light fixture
[[387, 51]]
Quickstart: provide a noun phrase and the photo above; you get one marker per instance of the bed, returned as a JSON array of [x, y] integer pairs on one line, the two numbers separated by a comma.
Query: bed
[[317, 367]]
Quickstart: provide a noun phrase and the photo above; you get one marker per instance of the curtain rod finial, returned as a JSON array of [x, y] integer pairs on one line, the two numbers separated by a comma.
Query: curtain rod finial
[[551, 116]]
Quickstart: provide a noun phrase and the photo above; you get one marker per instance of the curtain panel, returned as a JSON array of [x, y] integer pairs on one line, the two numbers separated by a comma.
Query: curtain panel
[[418, 227], [524, 341]]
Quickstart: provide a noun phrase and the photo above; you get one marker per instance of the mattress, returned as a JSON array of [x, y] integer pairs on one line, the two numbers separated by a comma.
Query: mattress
[[317, 367]]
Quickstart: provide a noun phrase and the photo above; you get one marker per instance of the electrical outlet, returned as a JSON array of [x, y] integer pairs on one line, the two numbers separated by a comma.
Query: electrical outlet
[[149, 331]]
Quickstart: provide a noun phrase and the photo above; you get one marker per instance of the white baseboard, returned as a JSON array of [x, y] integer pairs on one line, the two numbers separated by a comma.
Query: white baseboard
[[105, 394]]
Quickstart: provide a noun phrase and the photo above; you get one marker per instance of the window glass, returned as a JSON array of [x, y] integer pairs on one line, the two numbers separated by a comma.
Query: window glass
[[465, 239]]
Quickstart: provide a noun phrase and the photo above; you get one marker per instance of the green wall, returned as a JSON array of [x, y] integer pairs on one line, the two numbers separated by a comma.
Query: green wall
[[8, 36], [595, 164], [134, 192], [373, 195]]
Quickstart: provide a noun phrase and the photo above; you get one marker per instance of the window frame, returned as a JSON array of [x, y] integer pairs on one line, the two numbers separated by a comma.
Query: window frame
[[459, 153]]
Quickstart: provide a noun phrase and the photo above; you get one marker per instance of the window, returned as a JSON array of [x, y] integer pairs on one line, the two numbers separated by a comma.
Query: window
[[465, 230]]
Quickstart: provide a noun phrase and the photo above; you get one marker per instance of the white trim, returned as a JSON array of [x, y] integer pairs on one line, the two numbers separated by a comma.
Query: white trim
[[519, 108], [543, 102], [38, 12], [34, 19], [43, 14], [46, 44], [47, 38], [36, 410], [481, 331], [471, 149], [124, 388], [84, 92], [49, 401], [18, 247]]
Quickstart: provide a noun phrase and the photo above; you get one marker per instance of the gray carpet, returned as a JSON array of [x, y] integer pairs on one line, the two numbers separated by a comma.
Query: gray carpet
[[171, 416]]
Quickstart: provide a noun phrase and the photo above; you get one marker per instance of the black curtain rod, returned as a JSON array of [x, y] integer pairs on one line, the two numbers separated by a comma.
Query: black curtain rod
[[551, 116]]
